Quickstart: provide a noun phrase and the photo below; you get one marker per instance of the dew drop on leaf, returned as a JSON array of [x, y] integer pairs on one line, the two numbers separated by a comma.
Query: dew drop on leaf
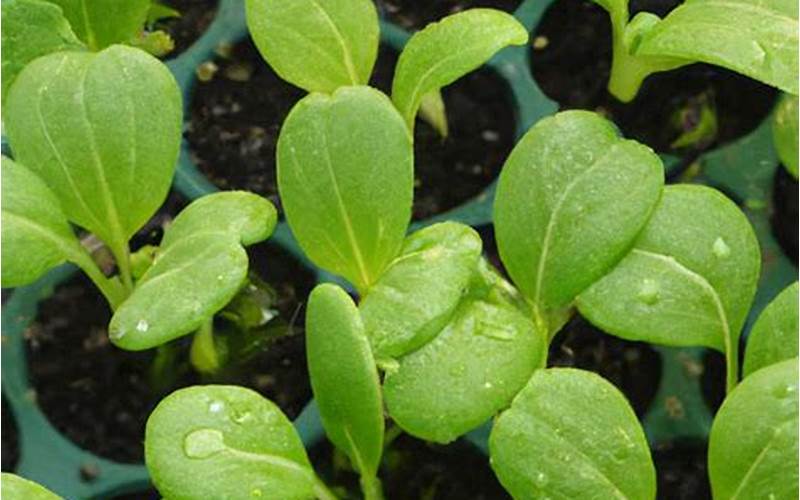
[[142, 326], [203, 443], [648, 292], [541, 479], [216, 406], [720, 248], [255, 493]]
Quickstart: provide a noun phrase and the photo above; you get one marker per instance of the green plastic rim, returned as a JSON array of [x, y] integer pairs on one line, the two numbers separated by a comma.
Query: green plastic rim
[[743, 169]]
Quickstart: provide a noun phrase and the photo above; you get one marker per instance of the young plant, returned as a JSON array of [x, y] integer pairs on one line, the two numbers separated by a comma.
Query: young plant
[[756, 39], [13, 487], [344, 47], [773, 337]]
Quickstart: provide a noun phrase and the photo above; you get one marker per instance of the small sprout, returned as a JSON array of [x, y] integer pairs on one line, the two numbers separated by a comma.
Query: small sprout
[[205, 71]]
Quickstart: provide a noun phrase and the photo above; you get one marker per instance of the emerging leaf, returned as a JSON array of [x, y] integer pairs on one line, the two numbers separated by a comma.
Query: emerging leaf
[[752, 449], [100, 23], [571, 434], [103, 130], [13, 487], [344, 379], [447, 50], [31, 29], [570, 200], [225, 442], [432, 110], [317, 45], [774, 336], [785, 132], [345, 175]]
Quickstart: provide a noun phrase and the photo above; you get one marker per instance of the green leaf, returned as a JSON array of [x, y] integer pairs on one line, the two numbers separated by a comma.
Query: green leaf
[[774, 335], [471, 369], [103, 130], [225, 442], [31, 29], [419, 291], [571, 434], [157, 43], [752, 449], [689, 280], [432, 110], [447, 50], [785, 132], [756, 39], [101, 23], [14, 487], [158, 11], [200, 267], [345, 175], [317, 45], [343, 376], [570, 200]]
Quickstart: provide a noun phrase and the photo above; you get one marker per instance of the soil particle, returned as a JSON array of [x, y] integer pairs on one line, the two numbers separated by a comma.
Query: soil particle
[[195, 18], [10, 439], [681, 471]]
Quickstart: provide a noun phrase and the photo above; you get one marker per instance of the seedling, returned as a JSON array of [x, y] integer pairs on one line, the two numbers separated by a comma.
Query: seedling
[[15, 487], [758, 40]]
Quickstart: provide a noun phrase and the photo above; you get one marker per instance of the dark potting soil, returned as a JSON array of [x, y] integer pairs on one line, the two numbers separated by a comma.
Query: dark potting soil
[[149, 494], [10, 439], [414, 15], [196, 16], [99, 396], [784, 217], [571, 61], [681, 471], [482, 125], [413, 469], [234, 120]]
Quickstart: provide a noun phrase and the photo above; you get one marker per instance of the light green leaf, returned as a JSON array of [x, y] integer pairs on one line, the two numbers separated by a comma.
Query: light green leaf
[[774, 336], [570, 200], [752, 449], [344, 378], [447, 50], [317, 45], [13, 487], [471, 369], [158, 11], [756, 39], [419, 291], [31, 29], [345, 175], [225, 442], [432, 110], [200, 267], [689, 280], [103, 130], [785, 132], [571, 434], [101, 23]]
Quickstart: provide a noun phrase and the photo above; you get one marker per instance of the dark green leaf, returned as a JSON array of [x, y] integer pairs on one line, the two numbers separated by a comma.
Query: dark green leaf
[[774, 336], [101, 23]]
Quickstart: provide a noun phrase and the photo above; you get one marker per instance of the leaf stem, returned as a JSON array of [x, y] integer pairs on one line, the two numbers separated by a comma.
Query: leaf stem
[[111, 288], [123, 257], [371, 487], [322, 492], [732, 368], [203, 353]]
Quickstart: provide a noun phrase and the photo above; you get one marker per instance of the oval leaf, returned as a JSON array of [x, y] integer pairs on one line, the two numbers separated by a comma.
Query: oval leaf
[[13, 487], [343, 376], [31, 29], [571, 434], [774, 335], [447, 50], [103, 131], [225, 442], [101, 23], [756, 39], [752, 450], [570, 200], [317, 45], [689, 280], [419, 291], [345, 174], [785, 132], [470, 370]]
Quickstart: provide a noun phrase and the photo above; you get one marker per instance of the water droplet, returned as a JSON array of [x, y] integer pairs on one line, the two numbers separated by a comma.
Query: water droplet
[[488, 385], [203, 443], [255, 493], [142, 326], [720, 248], [540, 479], [648, 292], [783, 391], [216, 406]]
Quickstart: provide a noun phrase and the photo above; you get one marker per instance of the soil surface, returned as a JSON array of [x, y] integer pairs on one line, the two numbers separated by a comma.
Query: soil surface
[[413, 14], [10, 439], [414, 470], [681, 471], [784, 218], [196, 16], [571, 60], [102, 397], [481, 120]]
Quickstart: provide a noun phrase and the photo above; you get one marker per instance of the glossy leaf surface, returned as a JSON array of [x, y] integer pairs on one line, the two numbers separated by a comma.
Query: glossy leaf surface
[[570, 200], [753, 443], [571, 434], [345, 174], [317, 45], [785, 132], [13, 487], [773, 338], [225, 442], [447, 50], [344, 378], [100, 23]]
